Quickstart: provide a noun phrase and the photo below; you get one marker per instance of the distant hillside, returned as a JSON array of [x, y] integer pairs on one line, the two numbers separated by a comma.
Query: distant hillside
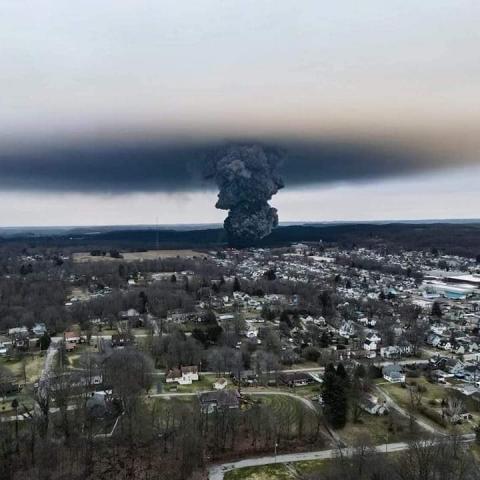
[[460, 239]]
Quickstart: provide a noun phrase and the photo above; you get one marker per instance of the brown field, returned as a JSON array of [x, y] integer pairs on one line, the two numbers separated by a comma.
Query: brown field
[[138, 256]]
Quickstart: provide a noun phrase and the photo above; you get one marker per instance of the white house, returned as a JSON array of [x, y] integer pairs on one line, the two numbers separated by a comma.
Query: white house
[[190, 374], [373, 406], [370, 345], [374, 337], [183, 375], [393, 374], [347, 330], [395, 351], [252, 334], [220, 384]]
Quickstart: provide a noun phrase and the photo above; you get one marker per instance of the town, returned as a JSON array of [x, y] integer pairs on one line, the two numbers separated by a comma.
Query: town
[[221, 354]]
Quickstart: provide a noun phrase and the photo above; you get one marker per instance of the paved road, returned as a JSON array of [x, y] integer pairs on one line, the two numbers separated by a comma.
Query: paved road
[[44, 380], [217, 472]]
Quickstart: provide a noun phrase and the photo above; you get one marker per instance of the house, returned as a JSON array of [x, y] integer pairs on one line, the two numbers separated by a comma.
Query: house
[[132, 317], [100, 405], [189, 374], [471, 373], [174, 375], [454, 367], [438, 329], [296, 379], [368, 322], [72, 337], [39, 329], [21, 341], [373, 337], [433, 340], [247, 378], [369, 345], [183, 375], [372, 406], [220, 383], [395, 351], [252, 333], [6, 344], [444, 344], [12, 332], [393, 374], [347, 330], [121, 340], [219, 400], [370, 354]]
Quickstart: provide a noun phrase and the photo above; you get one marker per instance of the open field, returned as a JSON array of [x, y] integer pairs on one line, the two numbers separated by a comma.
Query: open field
[[81, 257]]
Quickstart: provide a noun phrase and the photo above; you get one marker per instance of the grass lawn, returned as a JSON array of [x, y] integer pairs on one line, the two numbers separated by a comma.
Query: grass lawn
[[304, 365], [431, 400], [74, 356], [33, 366], [288, 410], [380, 428], [308, 391], [291, 471], [24, 398], [204, 383], [140, 331], [266, 472], [308, 467], [106, 332]]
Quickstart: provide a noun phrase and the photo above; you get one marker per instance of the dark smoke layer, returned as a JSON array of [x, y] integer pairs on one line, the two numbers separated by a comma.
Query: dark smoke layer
[[247, 177]]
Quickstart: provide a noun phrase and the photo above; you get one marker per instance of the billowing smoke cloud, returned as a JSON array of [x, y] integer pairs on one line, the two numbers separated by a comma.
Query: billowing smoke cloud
[[136, 166], [247, 177]]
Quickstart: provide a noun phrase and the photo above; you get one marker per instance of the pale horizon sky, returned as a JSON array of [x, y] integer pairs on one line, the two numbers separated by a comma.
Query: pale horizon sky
[[444, 195], [398, 79]]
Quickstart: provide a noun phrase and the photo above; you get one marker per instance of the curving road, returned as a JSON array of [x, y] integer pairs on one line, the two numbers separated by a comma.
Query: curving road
[[217, 472]]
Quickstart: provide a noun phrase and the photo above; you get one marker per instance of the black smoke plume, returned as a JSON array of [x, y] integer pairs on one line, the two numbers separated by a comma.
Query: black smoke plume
[[247, 178]]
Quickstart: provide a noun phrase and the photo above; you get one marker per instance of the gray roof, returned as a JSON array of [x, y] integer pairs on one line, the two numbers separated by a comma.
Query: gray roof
[[221, 399]]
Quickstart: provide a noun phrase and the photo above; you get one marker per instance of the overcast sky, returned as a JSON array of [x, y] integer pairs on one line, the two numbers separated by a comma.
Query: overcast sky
[[108, 107]]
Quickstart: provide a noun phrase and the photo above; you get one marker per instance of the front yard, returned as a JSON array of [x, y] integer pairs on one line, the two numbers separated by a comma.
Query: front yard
[[430, 399], [290, 471]]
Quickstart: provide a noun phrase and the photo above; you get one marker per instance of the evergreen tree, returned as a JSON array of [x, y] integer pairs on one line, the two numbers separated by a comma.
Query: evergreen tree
[[343, 374], [436, 310], [335, 397], [44, 341], [325, 340]]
